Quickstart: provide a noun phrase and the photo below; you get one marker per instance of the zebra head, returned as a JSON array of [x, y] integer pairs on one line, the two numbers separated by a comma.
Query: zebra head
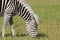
[[31, 27]]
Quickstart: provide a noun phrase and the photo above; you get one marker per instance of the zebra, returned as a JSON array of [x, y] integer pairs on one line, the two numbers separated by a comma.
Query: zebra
[[9, 8]]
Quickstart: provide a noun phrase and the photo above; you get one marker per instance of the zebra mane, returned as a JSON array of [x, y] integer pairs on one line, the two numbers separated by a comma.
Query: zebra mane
[[35, 17]]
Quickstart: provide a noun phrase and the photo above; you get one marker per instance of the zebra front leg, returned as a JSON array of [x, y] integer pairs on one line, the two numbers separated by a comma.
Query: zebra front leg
[[12, 26], [6, 18]]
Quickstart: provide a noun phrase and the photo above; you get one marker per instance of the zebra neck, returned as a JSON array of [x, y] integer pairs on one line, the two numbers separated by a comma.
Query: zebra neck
[[25, 11]]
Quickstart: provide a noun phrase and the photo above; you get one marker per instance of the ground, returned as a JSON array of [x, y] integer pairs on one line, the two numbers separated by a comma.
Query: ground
[[48, 27]]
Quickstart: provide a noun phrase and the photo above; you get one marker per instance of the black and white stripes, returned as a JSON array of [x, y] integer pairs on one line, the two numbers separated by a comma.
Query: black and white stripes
[[8, 8], [21, 8], [30, 18], [24, 12]]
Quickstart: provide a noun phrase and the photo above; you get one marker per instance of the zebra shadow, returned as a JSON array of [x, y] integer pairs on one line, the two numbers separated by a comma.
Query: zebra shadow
[[42, 35], [17, 35], [21, 35], [10, 34]]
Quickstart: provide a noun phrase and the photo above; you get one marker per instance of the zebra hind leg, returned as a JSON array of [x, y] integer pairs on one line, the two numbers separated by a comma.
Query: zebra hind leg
[[6, 19], [7, 16], [12, 26]]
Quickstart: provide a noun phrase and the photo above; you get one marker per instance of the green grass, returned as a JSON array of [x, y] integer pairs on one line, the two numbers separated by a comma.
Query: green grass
[[49, 26]]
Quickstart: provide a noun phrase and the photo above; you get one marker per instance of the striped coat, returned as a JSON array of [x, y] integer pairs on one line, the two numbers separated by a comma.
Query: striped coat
[[20, 7]]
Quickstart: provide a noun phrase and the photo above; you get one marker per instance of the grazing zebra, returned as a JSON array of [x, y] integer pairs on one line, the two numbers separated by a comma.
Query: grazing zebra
[[20, 7]]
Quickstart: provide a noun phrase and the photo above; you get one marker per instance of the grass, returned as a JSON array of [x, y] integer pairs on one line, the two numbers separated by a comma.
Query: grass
[[49, 26]]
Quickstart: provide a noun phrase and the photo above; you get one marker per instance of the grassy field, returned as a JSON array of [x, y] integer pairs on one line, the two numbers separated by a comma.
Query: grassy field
[[49, 26]]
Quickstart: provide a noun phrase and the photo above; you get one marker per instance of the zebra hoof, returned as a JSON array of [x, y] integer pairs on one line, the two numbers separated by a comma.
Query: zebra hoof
[[3, 36], [13, 34]]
